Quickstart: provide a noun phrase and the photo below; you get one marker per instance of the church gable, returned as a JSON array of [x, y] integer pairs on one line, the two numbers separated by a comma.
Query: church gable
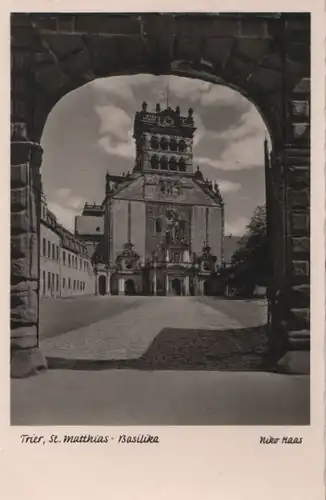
[[204, 195], [131, 191], [183, 190]]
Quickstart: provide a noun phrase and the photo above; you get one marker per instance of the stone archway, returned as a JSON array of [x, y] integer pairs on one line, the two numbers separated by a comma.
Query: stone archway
[[266, 57]]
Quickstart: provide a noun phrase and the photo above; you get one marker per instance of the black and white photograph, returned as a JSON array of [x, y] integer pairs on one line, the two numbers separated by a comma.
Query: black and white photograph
[[160, 219]]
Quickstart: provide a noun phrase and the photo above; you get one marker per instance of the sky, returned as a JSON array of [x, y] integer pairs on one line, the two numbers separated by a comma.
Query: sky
[[89, 132]]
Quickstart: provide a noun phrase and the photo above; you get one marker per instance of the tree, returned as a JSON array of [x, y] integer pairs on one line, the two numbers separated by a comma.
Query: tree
[[250, 262]]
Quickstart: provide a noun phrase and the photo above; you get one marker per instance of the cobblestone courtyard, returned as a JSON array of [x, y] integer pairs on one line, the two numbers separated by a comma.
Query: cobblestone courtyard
[[130, 328]]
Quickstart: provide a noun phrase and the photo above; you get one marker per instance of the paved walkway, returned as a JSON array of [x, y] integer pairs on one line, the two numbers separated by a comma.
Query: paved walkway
[[62, 315], [128, 334]]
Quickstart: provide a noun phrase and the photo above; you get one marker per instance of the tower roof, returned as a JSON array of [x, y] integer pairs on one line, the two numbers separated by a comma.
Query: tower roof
[[168, 119]]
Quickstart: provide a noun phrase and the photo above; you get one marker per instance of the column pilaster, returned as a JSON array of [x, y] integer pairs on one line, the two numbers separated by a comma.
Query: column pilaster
[[154, 282], [26, 159], [296, 160], [167, 284], [108, 284], [187, 285], [121, 286]]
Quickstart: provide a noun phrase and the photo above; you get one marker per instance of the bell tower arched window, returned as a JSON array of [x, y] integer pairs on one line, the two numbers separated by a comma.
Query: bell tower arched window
[[182, 146], [164, 163], [182, 165], [154, 142], [154, 162], [173, 145], [164, 143], [173, 163], [158, 226]]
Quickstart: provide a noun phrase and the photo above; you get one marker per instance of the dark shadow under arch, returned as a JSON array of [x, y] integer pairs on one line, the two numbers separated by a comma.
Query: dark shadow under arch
[[102, 285], [130, 287]]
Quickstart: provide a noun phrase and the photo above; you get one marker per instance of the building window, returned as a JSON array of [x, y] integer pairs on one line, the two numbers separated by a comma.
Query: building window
[[69, 283], [64, 283], [182, 146], [164, 143], [44, 247], [182, 165], [57, 282], [69, 260], [44, 282], [64, 257], [58, 253], [154, 142], [80, 264], [53, 251], [49, 281], [173, 163], [164, 163], [173, 145], [176, 257], [158, 226], [52, 287], [49, 249], [154, 161], [74, 284]]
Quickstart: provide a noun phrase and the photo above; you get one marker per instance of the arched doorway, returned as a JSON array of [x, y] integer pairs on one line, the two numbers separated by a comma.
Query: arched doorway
[[275, 77], [130, 288], [207, 288], [176, 287], [102, 285]]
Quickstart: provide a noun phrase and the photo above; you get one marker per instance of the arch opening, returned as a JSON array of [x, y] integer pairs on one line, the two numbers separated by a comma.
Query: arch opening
[[176, 287], [221, 169], [102, 285], [130, 287]]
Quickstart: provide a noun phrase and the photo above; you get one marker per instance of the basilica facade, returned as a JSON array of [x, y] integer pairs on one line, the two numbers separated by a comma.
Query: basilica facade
[[162, 223]]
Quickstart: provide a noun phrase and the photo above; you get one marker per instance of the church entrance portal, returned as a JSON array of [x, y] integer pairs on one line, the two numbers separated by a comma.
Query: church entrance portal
[[176, 287], [102, 285], [207, 288], [130, 288], [275, 76]]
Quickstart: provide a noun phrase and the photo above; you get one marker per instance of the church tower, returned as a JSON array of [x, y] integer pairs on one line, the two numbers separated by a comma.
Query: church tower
[[164, 140], [163, 222]]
